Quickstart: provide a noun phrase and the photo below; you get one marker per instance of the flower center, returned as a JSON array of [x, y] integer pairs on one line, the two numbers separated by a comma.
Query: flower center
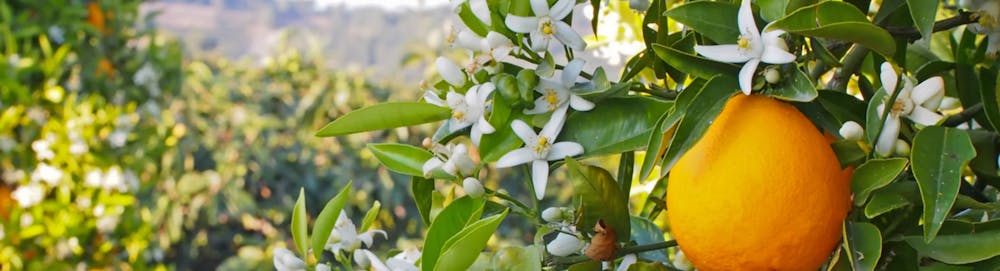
[[552, 98], [547, 28], [459, 115], [743, 43], [543, 145]]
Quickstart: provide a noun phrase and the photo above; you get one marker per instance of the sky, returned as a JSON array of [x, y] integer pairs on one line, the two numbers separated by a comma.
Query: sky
[[391, 5]]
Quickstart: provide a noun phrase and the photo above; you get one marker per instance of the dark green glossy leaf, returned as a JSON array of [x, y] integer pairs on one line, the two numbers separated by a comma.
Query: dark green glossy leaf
[[461, 250], [959, 248], [617, 125], [842, 106], [715, 20], [503, 140], [991, 102], [863, 242], [599, 199], [300, 230], [874, 174], [403, 159], [384, 116], [327, 218], [699, 115], [798, 88], [839, 21], [470, 20], [448, 224], [938, 156], [693, 65], [923, 12], [771, 10], [873, 120], [646, 232], [883, 202], [848, 152], [422, 191], [654, 147]]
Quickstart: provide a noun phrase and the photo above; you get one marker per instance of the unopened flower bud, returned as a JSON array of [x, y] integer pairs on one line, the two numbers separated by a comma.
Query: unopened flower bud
[[473, 187], [901, 148], [772, 76], [681, 262], [428, 143], [552, 214], [949, 103], [564, 245], [852, 131]]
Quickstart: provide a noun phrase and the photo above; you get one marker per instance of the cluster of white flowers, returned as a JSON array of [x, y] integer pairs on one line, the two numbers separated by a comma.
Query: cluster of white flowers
[[988, 22], [568, 241], [345, 238], [123, 126], [112, 179]]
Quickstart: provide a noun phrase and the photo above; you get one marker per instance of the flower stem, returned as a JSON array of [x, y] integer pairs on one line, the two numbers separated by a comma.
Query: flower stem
[[621, 252]]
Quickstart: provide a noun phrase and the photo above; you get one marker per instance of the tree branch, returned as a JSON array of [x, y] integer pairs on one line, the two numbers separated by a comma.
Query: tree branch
[[912, 33], [621, 253], [963, 116]]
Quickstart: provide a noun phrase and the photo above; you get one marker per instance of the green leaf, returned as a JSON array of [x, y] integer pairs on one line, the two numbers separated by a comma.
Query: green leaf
[[693, 65], [503, 140], [699, 115], [618, 125], [470, 20], [991, 104], [547, 68], [370, 216], [300, 230], [863, 242], [938, 156], [959, 248], [647, 266], [848, 152], [874, 174], [843, 106], [327, 218], [839, 21], [589, 265], [646, 232], [923, 12], [404, 159], [653, 146], [883, 202], [599, 199], [527, 258], [384, 116], [446, 225], [422, 190], [771, 10], [798, 88], [715, 20], [461, 250], [873, 120]]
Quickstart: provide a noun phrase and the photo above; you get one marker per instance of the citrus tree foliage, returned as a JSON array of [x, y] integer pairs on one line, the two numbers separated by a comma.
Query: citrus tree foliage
[[907, 90], [115, 154]]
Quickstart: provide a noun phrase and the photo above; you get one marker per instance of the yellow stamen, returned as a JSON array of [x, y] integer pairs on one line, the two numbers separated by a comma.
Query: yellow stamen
[[543, 144], [552, 99], [743, 43], [458, 115], [547, 28]]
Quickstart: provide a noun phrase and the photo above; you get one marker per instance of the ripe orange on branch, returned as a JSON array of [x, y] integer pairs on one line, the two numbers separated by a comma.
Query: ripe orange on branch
[[761, 190]]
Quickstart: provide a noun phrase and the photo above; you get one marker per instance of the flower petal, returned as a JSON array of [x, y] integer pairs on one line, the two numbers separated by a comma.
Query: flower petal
[[927, 89], [484, 92], [923, 116], [571, 72], [432, 98], [889, 78], [485, 126], [561, 8], [454, 99], [496, 40], [541, 107], [476, 135], [555, 124], [580, 104], [748, 28], [561, 150], [481, 10], [746, 76], [627, 261], [524, 131], [469, 40], [539, 177], [539, 41], [365, 258], [521, 24], [568, 36], [432, 164], [564, 245], [729, 53], [887, 138], [516, 157], [776, 55], [540, 7], [450, 71]]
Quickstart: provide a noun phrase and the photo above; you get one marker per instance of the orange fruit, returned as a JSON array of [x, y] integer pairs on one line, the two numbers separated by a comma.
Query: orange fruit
[[95, 16], [761, 190]]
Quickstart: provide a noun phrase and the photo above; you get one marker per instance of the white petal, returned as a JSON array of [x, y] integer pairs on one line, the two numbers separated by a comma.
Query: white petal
[[496, 40], [450, 71], [516, 157], [469, 40], [432, 164], [923, 116], [541, 107], [484, 92], [571, 72], [852, 131], [889, 78], [539, 177], [568, 36], [473, 187], [524, 131], [555, 124], [454, 125], [927, 89], [454, 99], [540, 7], [776, 55], [627, 261], [561, 8], [539, 41], [748, 28], [564, 245], [368, 236], [484, 126], [365, 258], [432, 98], [773, 38], [729, 53], [472, 96], [580, 104], [746, 76], [476, 135], [562, 149], [521, 24], [886, 139], [481, 10], [949, 103]]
